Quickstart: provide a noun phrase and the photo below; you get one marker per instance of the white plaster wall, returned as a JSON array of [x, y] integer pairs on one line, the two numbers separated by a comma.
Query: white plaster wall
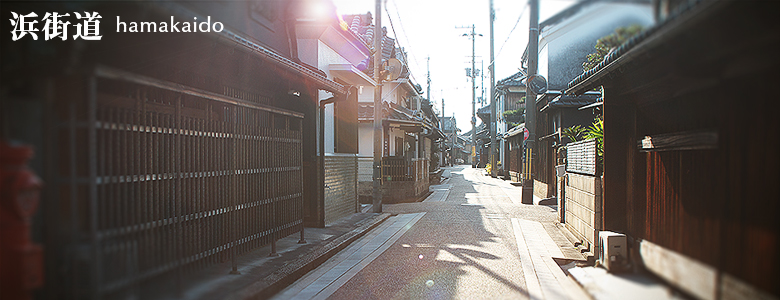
[[326, 56], [366, 139], [543, 62], [329, 56], [307, 51], [330, 146], [366, 94], [564, 46], [390, 92], [394, 133]]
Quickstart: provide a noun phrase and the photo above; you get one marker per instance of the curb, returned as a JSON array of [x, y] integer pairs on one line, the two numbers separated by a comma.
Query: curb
[[268, 286]]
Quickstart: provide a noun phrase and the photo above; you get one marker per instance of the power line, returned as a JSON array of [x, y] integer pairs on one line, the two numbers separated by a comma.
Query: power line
[[399, 46], [510, 34], [403, 30]]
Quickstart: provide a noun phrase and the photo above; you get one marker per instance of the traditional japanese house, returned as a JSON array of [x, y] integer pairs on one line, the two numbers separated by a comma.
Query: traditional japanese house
[[690, 146], [514, 160], [450, 129], [329, 45], [164, 153], [510, 92], [408, 141], [409, 130], [565, 40]]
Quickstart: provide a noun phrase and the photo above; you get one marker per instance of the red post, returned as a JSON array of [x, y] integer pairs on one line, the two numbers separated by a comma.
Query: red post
[[21, 260]]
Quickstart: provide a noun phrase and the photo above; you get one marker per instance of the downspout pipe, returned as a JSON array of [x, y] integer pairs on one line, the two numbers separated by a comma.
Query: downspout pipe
[[321, 147]]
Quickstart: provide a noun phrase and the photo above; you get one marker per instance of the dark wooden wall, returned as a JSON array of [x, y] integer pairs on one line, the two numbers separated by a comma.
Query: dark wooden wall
[[716, 205], [544, 153]]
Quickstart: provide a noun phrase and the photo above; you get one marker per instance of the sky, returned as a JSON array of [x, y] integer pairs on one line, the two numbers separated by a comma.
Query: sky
[[430, 28]]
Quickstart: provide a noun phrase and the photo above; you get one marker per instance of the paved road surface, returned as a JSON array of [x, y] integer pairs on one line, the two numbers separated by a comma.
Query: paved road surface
[[462, 242]]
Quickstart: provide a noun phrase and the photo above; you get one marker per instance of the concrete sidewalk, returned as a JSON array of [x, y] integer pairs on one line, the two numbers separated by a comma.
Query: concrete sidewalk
[[602, 285], [326, 279], [261, 276]]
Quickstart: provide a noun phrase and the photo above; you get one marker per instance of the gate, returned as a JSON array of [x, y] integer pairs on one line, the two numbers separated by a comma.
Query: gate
[[162, 179]]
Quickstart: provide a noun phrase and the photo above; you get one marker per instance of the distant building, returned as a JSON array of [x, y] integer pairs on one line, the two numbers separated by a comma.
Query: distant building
[[510, 93], [410, 128]]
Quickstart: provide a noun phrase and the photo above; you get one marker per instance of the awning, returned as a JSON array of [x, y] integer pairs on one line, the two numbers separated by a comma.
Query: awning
[[351, 74], [599, 102], [514, 131], [438, 134], [564, 101], [547, 94]]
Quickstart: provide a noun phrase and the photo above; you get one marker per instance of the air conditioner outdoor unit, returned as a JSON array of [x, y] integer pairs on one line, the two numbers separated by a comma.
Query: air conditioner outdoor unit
[[613, 251]]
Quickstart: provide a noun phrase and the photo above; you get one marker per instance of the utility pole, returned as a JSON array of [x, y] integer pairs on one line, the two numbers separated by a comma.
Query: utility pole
[[473, 105], [530, 102], [482, 83], [377, 192], [428, 92], [454, 138], [493, 119], [473, 99], [445, 161]]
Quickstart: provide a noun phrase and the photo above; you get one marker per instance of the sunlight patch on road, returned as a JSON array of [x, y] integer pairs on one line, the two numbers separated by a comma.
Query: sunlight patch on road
[[444, 255], [494, 216]]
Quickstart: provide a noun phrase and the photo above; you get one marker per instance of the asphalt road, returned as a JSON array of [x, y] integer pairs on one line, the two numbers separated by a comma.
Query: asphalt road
[[462, 247]]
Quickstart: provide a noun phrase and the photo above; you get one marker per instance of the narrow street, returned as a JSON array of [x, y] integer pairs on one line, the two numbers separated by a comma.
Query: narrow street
[[461, 242]]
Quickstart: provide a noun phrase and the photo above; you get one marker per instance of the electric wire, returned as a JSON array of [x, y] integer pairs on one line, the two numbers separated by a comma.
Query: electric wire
[[510, 34], [400, 22]]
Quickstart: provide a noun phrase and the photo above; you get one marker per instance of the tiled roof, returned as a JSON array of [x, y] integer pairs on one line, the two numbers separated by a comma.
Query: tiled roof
[[366, 111], [484, 113], [515, 131], [573, 101], [482, 132], [427, 109], [514, 80], [361, 25], [485, 110], [612, 56], [599, 101], [447, 123]]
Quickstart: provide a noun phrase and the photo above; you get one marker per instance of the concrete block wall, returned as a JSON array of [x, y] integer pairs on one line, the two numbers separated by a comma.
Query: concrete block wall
[[341, 195], [365, 182], [540, 189], [583, 208]]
